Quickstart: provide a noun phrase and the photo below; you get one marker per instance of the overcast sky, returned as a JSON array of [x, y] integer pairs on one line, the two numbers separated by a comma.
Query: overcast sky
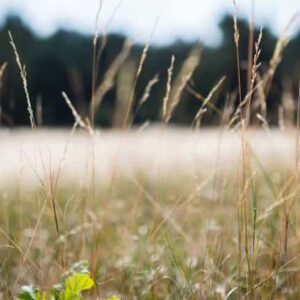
[[186, 19]]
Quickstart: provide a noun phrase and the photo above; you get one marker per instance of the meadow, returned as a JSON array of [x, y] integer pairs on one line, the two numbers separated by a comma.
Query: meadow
[[156, 214], [155, 211]]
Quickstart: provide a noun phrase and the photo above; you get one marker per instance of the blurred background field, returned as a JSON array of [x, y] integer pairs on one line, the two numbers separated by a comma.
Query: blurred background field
[[156, 152]]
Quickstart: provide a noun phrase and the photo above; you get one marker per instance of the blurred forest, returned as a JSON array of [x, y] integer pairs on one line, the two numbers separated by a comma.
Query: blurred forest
[[63, 62]]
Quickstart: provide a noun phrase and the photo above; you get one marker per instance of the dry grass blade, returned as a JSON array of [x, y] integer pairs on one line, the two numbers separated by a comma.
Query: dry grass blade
[[104, 40], [166, 99], [152, 82], [237, 46], [124, 86], [263, 121], [21, 251], [281, 45], [194, 93], [94, 72], [276, 205], [235, 24], [184, 75], [2, 70], [254, 73], [98, 51], [201, 98], [256, 64], [78, 119], [145, 51], [273, 274], [207, 100], [148, 90], [250, 45], [274, 62], [260, 99], [142, 60], [23, 74], [110, 75], [97, 24], [127, 119], [238, 112]]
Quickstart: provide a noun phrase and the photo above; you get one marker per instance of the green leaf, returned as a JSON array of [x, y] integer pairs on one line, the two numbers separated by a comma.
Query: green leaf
[[56, 290], [28, 293], [75, 284], [69, 295], [43, 296], [79, 282], [113, 298]]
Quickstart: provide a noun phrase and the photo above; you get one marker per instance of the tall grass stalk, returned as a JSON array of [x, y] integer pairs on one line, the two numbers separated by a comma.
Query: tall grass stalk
[[23, 74], [174, 95], [206, 101], [110, 76], [241, 197], [250, 46], [127, 119], [94, 65], [166, 100]]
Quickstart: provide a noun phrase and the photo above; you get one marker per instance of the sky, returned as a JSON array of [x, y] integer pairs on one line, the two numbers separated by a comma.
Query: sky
[[167, 19]]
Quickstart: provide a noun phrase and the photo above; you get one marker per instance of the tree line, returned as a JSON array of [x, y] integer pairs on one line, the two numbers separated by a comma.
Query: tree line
[[64, 62]]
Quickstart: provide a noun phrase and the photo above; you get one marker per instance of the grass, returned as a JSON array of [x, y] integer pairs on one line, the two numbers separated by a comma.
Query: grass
[[170, 240], [216, 235]]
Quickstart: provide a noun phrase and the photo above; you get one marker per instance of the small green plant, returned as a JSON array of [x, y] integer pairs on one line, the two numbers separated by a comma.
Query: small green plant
[[75, 282]]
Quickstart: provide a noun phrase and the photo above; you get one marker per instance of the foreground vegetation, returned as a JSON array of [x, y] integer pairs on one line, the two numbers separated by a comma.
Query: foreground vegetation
[[180, 238]]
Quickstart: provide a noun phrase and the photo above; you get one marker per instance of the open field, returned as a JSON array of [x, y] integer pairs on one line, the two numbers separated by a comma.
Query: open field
[[153, 151], [159, 214]]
